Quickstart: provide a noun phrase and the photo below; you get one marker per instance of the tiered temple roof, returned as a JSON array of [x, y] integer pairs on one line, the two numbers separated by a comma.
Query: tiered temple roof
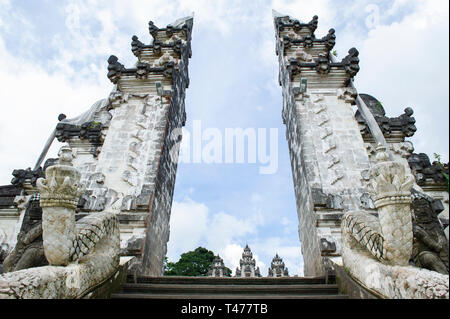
[[247, 265], [277, 268], [217, 268]]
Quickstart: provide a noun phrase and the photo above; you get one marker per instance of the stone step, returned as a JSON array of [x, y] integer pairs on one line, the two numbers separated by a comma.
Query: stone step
[[174, 287], [230, 280], [224, 296], [311, 289]]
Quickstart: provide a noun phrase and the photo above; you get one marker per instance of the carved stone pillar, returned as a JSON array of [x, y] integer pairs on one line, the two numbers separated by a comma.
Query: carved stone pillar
[[390, 188], [59, 194]]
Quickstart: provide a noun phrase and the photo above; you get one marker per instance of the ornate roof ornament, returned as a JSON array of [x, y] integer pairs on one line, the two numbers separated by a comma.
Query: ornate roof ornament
[[403, 125], [247, 265], [277, 268]]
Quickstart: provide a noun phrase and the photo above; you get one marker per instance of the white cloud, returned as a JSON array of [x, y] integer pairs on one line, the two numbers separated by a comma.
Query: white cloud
[[192, 224], [405, 64], [32, 98], [231, 255], [291, 254], [188, 224]]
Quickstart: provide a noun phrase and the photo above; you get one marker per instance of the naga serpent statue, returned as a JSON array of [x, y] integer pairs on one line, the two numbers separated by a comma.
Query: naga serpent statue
[[376, 250], [389, 237], [81, 255]]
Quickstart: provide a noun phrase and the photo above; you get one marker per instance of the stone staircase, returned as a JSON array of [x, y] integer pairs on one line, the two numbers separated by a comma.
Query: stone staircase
[[172, 287]]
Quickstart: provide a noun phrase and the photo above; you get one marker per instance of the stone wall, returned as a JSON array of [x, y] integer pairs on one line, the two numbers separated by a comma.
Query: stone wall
[[327, 152]]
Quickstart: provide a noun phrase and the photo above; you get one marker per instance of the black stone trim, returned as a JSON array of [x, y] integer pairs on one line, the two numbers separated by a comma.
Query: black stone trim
[[286, 22], [424, 171], [20, 175], [323, 64], [326, 201], [141, 71], [137, 46], [308, 41], [91, 131], [404, 123], [7, 195], [170, 30]]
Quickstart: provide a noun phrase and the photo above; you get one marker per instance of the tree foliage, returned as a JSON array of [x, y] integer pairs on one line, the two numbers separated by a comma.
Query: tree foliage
[[193, 263]]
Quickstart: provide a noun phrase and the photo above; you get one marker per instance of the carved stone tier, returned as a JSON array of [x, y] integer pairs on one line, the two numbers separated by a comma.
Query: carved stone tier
[[427, 173], [91, 131], [288, 24], [142, 71], [394, 129]]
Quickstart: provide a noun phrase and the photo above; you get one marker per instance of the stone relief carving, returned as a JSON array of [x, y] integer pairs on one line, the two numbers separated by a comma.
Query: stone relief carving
[[377, 251], [430, 248], [347, 94], [330, 39], [323, 64], [64, 240], [405, 123], [351, 62], [28, 251]]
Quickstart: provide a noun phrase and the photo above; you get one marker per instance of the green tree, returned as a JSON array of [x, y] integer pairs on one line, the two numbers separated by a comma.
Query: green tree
[[193, 263], [438, 158]]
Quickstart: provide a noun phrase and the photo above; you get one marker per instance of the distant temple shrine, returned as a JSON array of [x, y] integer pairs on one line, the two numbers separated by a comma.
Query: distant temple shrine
[[217, 268], [247, 265], [277, 268]]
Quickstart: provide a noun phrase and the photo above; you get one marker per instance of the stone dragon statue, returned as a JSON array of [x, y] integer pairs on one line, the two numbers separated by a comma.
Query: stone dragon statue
[[376, 251], [81, 254]]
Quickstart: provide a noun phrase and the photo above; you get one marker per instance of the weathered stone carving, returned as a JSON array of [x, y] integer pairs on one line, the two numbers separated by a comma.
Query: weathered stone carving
[[329, 201], [286, 22], [388, 238], [115, 69], [64, 241], [60, 191], [29, 250], [430, 249], [93, 241], [351, 62], [425, 172], [330, 39], [92, 131], [20, 175], [136, 45], [323, 65], [165, 58], [403, 124], [347, 94]]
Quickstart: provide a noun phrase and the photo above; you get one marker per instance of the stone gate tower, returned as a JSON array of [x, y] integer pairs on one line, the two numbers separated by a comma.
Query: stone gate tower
[[327, 151], [136, 167], [126, 146]]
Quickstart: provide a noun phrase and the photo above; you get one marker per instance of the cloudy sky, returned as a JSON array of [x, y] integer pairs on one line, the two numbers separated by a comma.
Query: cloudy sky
[[53, 60]]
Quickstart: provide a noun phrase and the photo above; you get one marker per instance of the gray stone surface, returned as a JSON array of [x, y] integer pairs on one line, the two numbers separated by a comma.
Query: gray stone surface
[[326, 148]]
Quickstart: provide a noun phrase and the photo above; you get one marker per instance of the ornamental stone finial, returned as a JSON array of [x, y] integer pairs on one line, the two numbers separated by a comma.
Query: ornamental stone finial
[[390, 188], [61, 186], [59, 194]]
